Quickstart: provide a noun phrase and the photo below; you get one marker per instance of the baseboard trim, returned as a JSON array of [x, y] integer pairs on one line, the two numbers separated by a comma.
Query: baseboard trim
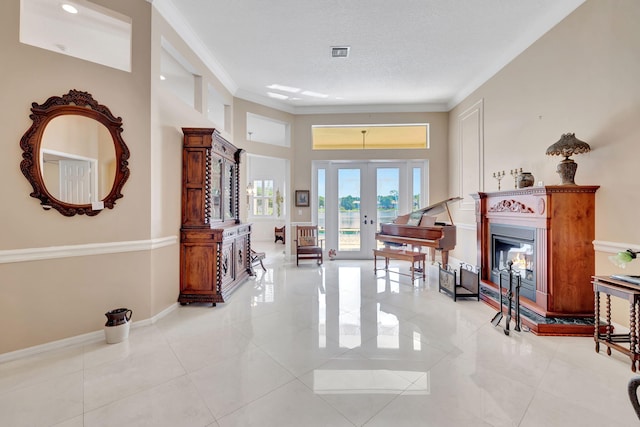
[[79, 339], [53, 252]]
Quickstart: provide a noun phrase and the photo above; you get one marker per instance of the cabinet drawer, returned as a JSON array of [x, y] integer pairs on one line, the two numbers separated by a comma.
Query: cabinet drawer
[[200, 236]]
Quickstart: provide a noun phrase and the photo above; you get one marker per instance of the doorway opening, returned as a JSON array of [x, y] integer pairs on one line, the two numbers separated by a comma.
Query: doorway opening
[[352, 198]]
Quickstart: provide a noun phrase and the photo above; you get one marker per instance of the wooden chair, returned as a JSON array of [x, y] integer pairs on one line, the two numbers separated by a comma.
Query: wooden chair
[[308, 245], [257, 257]]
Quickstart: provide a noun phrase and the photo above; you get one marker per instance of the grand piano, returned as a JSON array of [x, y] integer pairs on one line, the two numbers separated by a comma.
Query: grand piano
[[435, 235]]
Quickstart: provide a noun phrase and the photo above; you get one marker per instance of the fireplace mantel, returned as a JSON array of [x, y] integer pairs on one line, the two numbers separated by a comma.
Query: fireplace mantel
[[563, 218]]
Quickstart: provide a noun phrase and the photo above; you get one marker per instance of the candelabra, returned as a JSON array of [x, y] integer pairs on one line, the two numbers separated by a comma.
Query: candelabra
[[514, 173], [498, 175]]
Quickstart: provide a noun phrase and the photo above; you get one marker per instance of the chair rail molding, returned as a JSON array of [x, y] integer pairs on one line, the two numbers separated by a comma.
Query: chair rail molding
[[68, 251], [613, 247]]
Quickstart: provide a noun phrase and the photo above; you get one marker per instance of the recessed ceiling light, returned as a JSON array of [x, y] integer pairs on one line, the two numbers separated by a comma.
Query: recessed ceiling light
[[284, 88], [162, 77], [315, 94], [277, 95], [69, 8]]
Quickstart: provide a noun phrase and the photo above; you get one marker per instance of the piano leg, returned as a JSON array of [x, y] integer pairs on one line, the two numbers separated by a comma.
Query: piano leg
[[445, 257], [432, 251]]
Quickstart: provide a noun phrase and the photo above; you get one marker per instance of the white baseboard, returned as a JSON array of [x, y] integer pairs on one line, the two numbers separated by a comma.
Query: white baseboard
[[79, 339]]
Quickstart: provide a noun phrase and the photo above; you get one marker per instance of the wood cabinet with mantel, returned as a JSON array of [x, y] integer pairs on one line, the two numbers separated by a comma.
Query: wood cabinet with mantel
[[214, 246], [560, 223]]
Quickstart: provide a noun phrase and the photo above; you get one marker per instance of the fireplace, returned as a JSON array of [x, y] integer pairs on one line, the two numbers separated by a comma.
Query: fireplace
[[518, 245], [547, 232]]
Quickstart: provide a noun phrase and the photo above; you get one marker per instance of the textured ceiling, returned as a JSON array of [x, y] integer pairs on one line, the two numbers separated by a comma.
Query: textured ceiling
[[405, 55]]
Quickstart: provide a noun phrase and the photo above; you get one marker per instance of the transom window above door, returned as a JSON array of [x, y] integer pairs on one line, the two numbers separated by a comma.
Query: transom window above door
[[370, 137]]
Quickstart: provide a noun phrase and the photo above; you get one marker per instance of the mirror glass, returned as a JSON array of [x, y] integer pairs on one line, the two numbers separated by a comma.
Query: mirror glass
[[77, 159]]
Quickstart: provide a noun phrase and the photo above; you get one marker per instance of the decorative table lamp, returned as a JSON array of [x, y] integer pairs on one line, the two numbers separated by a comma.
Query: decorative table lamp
[[621, 259], [567, 146]]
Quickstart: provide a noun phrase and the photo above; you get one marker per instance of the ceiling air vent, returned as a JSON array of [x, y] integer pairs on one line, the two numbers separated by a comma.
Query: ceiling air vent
[[340, 51]]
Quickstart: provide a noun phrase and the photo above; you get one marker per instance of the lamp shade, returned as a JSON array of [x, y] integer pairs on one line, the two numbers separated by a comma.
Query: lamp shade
[[621, 259], [568, 145]]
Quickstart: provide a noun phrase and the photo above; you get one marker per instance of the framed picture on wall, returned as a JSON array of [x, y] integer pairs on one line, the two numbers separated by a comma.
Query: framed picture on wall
[[302, 198]]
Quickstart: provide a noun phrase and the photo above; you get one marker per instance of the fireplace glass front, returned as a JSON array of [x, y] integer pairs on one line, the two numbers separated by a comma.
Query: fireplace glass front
[[515, 244]]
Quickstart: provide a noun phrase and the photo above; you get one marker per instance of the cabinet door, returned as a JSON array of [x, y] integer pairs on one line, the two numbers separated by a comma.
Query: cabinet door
[[229, 190], [227, 264], [198, 269], [216, 188], [242, 255]]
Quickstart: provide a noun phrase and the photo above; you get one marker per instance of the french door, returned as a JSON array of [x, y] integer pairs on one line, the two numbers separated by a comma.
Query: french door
[[353, 198]]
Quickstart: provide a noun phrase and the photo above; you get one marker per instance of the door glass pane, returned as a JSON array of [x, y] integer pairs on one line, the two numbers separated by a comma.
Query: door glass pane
[[322, 173], [349, 209], [387, 192], [228, 190], [417, 179], [216, 183]]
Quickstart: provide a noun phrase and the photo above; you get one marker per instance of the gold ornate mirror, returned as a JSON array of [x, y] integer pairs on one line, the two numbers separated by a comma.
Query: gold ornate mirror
[[74, 155]]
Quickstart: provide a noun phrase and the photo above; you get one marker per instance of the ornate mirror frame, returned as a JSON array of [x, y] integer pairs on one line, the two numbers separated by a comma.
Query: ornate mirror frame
[[80, 104]]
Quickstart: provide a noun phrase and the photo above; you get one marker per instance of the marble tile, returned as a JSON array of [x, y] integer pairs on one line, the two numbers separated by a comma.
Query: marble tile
[[264, 329], [197, 350], [72, 422], [45, 403], [494, 397], [174, 403], [418, 409], [41, 367], [357, 387], [235, 382], [290, 405], [553, 410], [302, 351], [109, 382], [141, 341], [589, 388]]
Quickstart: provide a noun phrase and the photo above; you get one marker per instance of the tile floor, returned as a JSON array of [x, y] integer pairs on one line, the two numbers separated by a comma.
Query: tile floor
[[322, 346]]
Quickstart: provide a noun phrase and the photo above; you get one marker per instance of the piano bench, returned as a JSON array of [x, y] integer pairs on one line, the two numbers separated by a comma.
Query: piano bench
[[403, 255]]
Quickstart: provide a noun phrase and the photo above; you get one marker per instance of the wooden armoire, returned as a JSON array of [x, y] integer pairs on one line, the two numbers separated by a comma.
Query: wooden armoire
[[214, 246]]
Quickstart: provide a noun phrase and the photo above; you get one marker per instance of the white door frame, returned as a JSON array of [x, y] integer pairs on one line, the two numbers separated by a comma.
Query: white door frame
[[368, 186]]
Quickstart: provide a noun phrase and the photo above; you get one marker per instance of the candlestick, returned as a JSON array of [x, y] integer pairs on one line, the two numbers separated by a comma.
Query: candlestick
[[514, 173], [499, 175]]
